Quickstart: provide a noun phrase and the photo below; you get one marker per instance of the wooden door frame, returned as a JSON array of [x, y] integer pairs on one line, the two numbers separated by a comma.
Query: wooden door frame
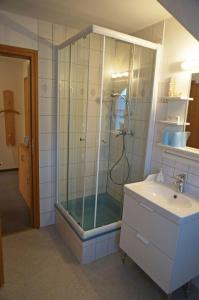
[[32, 56], [1, 259]]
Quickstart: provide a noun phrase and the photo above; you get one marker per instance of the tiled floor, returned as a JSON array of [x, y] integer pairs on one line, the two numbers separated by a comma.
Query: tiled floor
[[13, 209], [39, 266]]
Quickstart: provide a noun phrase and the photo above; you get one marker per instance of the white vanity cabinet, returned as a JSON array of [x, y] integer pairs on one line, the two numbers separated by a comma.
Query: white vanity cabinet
[[167, 250]]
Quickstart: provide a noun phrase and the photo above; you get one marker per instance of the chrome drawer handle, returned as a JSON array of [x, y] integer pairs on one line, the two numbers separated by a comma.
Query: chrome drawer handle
[[146, 207], [142, 239]]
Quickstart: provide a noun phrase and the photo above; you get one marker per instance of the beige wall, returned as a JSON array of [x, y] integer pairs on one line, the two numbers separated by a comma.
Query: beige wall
[[177, 45], [11, 78], [153, 33]]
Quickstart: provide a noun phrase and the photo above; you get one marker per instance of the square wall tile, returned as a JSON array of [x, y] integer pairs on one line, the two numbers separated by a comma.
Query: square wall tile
[[88, 254], [59, 33], [101, 249], [47, 174], [193, 180], [47, 124], [45, 30], [47, 106], [47, 69], [47, 158], [47, 88], [194, 169], [45, 49], [47, 204], [47, 190], [47, 218], [47, 141]]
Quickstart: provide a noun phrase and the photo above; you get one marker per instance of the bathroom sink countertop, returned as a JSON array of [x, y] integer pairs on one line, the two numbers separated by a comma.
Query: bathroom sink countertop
[[178, 207]]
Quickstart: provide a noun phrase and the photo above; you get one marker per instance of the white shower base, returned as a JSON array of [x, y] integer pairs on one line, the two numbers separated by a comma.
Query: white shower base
[[101, 242]]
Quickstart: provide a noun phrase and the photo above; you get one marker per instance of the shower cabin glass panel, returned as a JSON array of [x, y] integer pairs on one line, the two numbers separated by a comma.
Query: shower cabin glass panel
[[113, 164], [63, 110], [126, 105], [92, 131], [83, 121], [105, 94], [140, 103], [77, 128]]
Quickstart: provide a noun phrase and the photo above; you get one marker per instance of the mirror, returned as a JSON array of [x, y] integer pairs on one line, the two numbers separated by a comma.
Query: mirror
[[193, 112]]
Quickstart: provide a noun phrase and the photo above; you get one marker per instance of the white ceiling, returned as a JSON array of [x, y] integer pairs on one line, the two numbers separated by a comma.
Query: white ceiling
[[122, 15]]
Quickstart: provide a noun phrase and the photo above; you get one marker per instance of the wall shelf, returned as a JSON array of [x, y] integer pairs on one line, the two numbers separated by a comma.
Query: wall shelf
[[167, 99], [183, 152], [173, 123]]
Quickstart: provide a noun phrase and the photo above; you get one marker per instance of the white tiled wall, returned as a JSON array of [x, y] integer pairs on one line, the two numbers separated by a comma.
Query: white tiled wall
[[20, 31]]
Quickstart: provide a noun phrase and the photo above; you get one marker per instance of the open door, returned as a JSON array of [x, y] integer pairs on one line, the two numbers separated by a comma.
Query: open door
[[28, 148], [25, 186], [193, 116], [25, 163], [1, 260]]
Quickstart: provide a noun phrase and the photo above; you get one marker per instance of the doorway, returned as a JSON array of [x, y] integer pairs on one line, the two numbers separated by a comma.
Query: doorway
[[19, 165], [193, 114]]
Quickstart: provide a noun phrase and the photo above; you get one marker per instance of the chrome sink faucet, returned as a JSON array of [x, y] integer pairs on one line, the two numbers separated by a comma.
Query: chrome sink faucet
[[180, 182]]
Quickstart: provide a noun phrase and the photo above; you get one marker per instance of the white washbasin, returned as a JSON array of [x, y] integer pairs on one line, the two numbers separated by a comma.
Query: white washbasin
[[165, 194], [180, 205]]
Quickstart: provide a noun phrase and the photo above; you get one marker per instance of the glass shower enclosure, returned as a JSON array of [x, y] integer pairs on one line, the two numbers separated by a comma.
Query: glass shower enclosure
[[105, 114]]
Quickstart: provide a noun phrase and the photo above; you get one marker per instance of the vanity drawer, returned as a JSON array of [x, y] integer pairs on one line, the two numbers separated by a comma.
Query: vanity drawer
[[155, 263], [158, 229]]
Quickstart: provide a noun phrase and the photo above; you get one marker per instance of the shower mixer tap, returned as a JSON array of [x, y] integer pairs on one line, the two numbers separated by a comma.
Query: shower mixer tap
[[124, 132], [121, 132]]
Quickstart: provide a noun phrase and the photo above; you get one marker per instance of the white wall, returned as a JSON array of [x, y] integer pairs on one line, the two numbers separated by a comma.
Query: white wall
[[11, 78], [153, 33], [186, 12], [178, 45], [20, 31]]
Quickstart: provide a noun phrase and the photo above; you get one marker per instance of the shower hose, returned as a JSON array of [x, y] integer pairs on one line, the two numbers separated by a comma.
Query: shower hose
[[117, 162]]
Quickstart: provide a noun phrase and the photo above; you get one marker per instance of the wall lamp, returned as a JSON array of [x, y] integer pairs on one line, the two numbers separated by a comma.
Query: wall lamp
[[190, 64], [120, 75]]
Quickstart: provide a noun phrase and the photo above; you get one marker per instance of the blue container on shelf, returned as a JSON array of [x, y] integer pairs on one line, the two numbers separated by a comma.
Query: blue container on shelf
[[166, 138], [179, 139]]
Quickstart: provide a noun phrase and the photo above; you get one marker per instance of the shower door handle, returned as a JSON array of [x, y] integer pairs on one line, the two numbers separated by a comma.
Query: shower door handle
[[82, 139], [104, 141]]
